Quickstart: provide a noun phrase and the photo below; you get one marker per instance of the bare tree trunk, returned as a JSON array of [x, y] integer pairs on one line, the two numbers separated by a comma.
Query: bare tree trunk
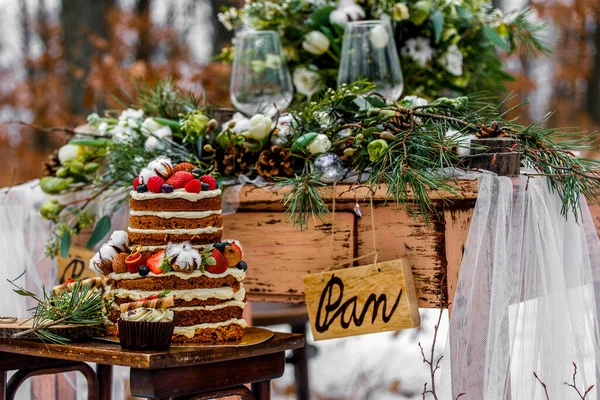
[[80, 20], [26, 40], [144, 48], [593, 86], [221, 36]]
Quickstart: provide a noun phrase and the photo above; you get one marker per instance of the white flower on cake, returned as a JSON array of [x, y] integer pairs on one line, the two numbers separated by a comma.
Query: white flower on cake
[[183, 257], [120, 241], [347, 10], [161, 165], [146, 174], [69, 152], [260, 127], [316, 43], [306, 82], [101, 263], [452, 60], [320, 144], [419, 50], [379, 37]]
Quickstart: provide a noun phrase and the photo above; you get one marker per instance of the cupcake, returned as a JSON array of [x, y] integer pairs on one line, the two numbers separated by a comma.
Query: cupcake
[[146, 325]]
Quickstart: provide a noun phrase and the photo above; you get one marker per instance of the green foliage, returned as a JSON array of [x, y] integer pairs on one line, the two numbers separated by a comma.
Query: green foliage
[[304, 198], [82, 305]]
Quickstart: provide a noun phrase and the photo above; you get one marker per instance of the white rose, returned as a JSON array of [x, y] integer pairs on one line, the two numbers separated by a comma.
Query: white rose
[[69, 152], [320, 144], [400, 12], [260, 127], [452, 60], [150, 125], [379, 37], [347, 10], [307, 82], [316, 42]]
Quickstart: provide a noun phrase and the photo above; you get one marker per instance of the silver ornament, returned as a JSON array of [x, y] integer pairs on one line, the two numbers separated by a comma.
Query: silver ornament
[[330, 167]]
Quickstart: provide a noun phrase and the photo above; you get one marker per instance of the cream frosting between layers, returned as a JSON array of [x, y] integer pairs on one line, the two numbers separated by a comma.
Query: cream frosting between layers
[[175, 214], [148, 315], [222, 293], [190, 331], [176, 194], [236, 273], [163, 247], [230, 303], [197, 231]]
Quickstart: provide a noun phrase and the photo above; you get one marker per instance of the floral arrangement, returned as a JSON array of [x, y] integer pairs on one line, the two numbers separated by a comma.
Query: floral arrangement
[[446, 47], [346, 134]]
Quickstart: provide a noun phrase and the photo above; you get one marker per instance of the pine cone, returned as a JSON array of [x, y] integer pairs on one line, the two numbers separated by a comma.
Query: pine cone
[[275, 161], [52, 164], [238, 160], [492, 131]]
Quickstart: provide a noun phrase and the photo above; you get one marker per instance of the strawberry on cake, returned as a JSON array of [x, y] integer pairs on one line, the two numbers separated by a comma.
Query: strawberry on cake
[[174, 247]]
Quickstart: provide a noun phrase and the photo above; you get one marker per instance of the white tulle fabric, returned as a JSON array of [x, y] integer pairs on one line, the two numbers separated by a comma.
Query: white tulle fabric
[[526, 299], [23, 236]]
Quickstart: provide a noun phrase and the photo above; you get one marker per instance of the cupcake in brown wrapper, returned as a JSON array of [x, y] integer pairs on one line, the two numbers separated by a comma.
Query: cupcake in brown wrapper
[[134, 335], [145, 328]]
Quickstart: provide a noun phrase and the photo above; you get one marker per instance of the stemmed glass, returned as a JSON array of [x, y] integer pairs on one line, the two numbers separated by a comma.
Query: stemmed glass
[[260, 80], [369, 52]]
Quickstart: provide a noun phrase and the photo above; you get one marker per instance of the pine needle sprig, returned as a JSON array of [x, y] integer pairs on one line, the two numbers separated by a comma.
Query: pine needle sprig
[[304, 199], [83, 305], [164, 99]]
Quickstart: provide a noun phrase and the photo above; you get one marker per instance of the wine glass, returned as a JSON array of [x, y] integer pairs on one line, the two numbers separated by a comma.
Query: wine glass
[[260, 80], [369, 52]]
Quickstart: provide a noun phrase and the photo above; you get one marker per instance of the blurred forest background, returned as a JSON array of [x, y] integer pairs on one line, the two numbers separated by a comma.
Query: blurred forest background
[[62, 59]]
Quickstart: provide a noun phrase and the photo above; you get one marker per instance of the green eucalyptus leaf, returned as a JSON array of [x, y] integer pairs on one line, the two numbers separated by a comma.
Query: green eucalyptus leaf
[[100, 230], [362, 103], [437, 20], [493, 37], [463, 12], [334, 45], [321, 17], [65, 244], [303, 141]]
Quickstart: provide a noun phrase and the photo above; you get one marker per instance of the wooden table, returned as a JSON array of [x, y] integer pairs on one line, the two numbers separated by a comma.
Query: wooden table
[[180, 372]]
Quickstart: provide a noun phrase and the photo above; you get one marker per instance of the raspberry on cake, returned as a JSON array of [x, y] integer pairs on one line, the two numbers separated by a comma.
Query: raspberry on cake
[[176, 244]]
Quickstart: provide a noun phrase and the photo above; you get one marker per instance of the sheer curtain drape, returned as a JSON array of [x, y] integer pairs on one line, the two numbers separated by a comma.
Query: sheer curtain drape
[[526, 300]]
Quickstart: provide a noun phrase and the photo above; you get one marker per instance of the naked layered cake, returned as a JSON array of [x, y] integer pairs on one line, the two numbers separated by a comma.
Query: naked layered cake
[[174, 247]]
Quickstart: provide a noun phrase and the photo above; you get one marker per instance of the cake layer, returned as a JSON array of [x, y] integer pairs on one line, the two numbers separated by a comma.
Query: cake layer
[[160, 204], [212, 333], [187, 316], [200, 236], [237, 273], [191, 303], [223, 293], [220, 332], [173, 282], [154, 222]]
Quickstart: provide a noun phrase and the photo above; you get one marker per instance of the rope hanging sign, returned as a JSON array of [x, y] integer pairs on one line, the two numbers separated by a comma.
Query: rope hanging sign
[[347, 301]]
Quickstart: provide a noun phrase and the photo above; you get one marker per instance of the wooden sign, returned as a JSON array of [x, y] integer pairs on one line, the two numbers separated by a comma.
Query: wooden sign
[[359, 300], [75, 265]]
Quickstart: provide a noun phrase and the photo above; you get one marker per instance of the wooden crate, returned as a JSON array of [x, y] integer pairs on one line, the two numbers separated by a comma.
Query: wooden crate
[[278, 254]]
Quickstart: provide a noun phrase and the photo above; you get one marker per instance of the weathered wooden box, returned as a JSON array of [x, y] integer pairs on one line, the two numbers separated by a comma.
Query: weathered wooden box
[[279, 254]]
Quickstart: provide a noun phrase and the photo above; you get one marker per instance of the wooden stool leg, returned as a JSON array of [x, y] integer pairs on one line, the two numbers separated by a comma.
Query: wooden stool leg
[[262, 390], [3, 377], [301, 367], [23, 374], [240, 391], [104, 373]]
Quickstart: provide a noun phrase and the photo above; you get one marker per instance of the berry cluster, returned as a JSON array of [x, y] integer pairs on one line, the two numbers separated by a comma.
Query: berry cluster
[[182, 176]]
